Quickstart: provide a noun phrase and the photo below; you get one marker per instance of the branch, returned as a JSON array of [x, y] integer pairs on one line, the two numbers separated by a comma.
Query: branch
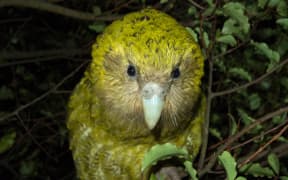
[[258, 136], [260, 149], [280, 151], [56, 9], [196, 5], [259, 79], [229, 51], [34, 139], [21, 108], [38, 56], [237, 136], [206, 124], [50, 52], [207, 118]]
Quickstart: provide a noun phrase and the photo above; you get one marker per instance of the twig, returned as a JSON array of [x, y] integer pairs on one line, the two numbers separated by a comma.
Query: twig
[[120, 6], [33, 139], [12, 20], [17, 31], [231, 50], [210, 96], [207, 118], [245, 142], [41, 59], [237, 136], [7, 167], [38, 56], [56, 9], [280, 151], [259, 79], [258, 136], [260, 149], [196, 4], [21, 108], [206, 125], [51, 52]]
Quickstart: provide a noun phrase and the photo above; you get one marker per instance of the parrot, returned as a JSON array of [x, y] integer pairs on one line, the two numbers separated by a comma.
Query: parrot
[[141, 88]]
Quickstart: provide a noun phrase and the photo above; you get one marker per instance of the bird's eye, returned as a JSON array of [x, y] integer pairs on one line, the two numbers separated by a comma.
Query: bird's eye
[[131, 71], [175, 73]]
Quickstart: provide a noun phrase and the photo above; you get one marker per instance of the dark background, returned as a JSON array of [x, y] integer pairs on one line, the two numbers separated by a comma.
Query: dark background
[[43, 54]]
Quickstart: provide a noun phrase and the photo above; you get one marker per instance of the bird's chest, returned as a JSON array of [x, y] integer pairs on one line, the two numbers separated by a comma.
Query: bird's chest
[[125, 156]]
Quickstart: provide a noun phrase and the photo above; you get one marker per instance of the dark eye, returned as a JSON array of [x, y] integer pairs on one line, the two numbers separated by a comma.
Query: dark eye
[[175, 73], [131, 71]]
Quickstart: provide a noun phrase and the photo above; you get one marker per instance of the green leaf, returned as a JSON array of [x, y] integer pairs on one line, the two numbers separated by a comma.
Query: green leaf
[[229, 165], [7, 141], [279, 119], [153, 177], [161, 152], [206, 39], [216, 133], [265, 85], [241, 73], [27, 168], [209, 10], [210, 2], [257, 170], [283, 139], [282, 8], [193, 34], [97, 27], [96, 10], [254, 101], [192, 10], [227, 39], [191, 170], [246, 119], [6, 93], [274, 163], [47, 113], [234, 126], [262, 3], [241, 178], [220, 64], [273, 3], [263, 49], [238, 23], [283, 22], [163, 1], [230, 27], [283, 177], [284, 82]]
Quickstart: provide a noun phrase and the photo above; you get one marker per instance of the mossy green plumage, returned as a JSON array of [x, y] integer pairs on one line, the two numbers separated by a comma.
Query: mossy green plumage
[[108, 134]]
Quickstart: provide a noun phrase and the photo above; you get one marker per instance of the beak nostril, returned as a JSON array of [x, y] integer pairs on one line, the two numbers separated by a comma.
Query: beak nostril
[[150, 89], [147, 92]]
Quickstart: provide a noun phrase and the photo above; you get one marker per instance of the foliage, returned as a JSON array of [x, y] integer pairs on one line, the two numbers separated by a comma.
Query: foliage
[[166, 152], [254, 169], [244, 42], [229, 164]]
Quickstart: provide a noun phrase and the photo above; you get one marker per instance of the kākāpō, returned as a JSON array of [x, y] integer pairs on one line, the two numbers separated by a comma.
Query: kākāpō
[[141, 88]]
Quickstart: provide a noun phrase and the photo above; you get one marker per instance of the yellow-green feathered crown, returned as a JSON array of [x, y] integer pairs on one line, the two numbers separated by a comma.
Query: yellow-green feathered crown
[[148, 37]]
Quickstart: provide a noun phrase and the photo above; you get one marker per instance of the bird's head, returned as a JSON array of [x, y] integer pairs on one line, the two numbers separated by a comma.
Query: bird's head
[[146, 72]]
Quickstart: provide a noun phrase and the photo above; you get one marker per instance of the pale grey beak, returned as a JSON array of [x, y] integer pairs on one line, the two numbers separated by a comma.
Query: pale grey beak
[[153, 101]]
